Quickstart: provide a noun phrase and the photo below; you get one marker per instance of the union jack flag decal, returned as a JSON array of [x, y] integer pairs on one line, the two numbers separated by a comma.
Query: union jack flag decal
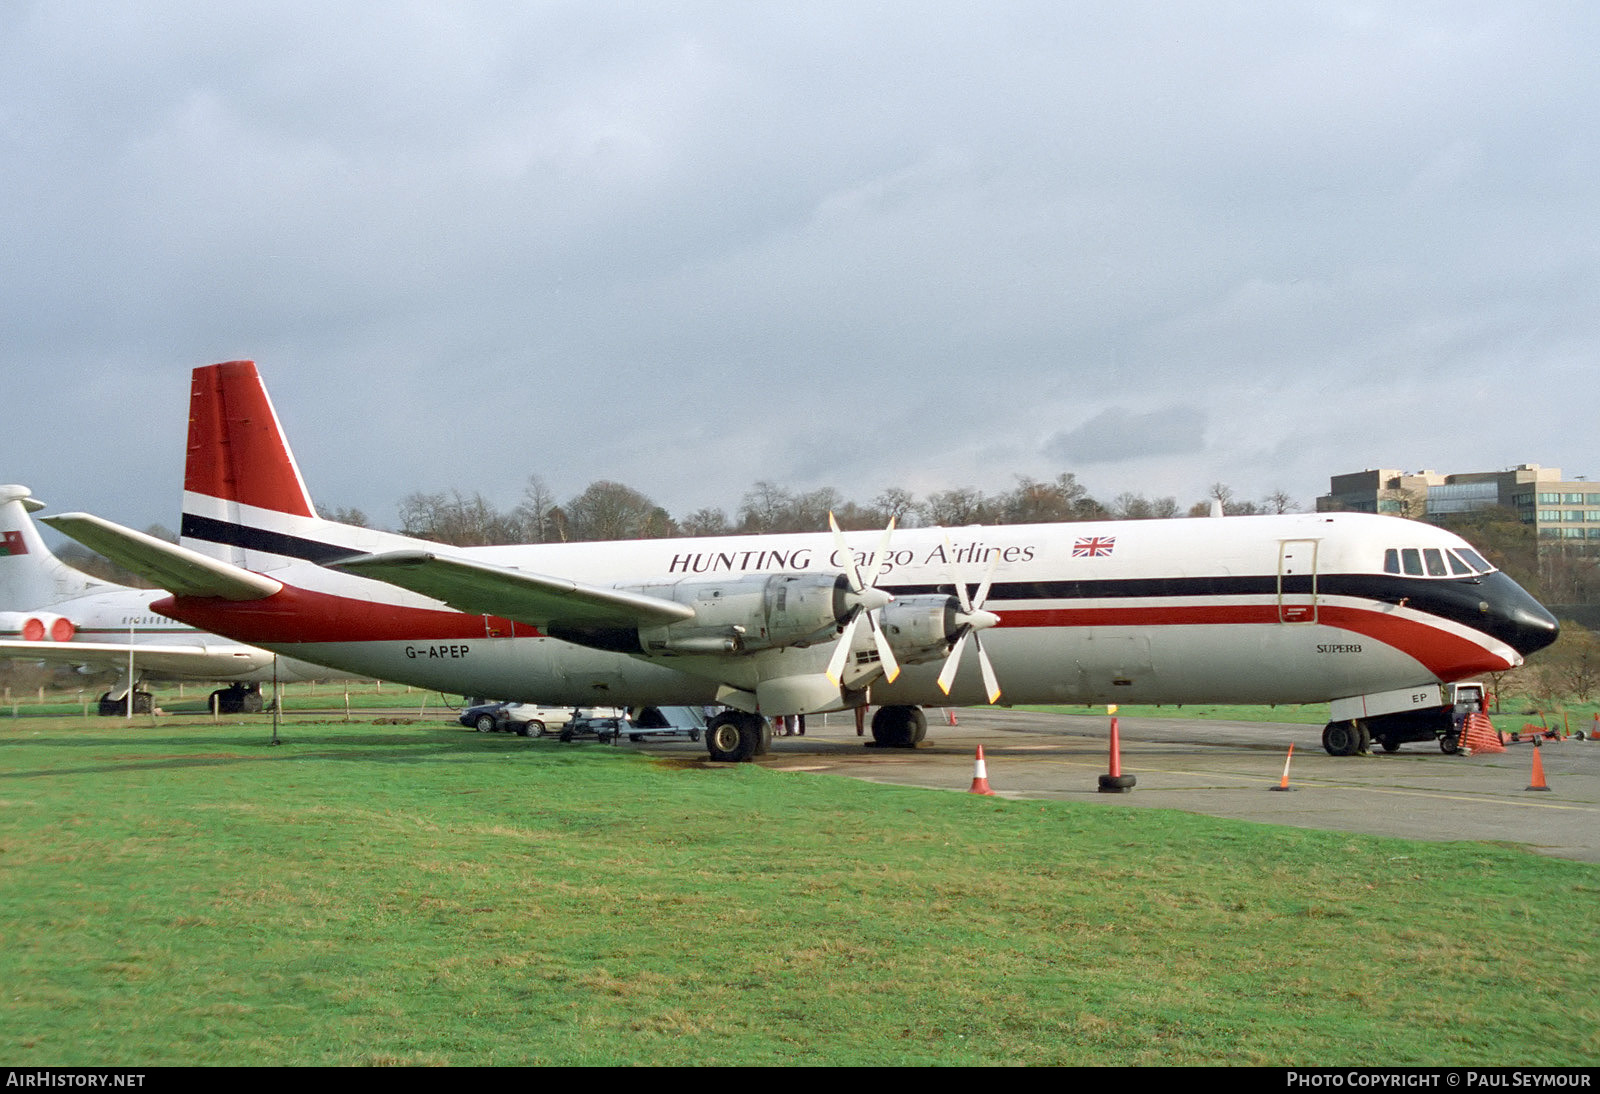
[[1093, 546]]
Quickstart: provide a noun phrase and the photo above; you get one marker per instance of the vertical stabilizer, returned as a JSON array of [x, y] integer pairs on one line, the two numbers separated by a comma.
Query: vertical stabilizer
[[238, 471], [31, 577], [244, 501]]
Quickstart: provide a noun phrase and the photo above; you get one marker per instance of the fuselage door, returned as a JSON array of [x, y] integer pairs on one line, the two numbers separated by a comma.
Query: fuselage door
[[1297, 581]]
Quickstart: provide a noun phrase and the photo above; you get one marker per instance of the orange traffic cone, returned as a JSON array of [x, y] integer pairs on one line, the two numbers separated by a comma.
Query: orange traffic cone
[[1538, 769], [1114, 781], [980, 776], [950, 713], [1283, 783]]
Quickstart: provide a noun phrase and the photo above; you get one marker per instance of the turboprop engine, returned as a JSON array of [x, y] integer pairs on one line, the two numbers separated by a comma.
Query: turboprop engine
[[756, 612], [921, 628], [38, 626]]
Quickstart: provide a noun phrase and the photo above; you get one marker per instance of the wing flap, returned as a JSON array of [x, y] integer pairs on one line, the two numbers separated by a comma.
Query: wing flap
[[176, 569], [480, 587]]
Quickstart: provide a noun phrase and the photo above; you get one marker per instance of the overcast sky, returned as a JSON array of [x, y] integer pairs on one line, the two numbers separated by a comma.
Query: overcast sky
[[688, 246]]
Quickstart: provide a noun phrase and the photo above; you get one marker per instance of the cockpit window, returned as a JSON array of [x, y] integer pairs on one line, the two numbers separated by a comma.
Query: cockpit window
[[1456, 565], [1435, 559], [1412, 559], [1391, 561], [1474, 559]]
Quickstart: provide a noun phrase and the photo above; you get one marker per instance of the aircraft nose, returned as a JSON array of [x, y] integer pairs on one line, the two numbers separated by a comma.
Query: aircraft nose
[[1520, 620], [1533, 628]]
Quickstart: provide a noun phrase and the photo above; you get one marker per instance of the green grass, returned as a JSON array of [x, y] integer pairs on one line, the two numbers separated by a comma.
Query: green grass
[[186, 893]]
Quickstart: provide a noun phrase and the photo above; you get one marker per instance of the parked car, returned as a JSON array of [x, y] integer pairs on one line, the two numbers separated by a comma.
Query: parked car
[[523, 719]]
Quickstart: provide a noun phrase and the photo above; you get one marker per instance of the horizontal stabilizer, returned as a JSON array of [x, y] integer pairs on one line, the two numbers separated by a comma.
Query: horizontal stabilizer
[[482, 588], [176, 569]]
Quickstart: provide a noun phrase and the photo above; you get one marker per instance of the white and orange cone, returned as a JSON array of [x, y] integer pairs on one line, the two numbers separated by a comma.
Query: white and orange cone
[[980, 776], [1283, 783]]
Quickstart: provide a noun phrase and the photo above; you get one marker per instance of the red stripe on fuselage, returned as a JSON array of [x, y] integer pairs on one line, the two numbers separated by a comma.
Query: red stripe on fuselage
[[295, 615], [291, 616], [1447, 655], [236, 450]]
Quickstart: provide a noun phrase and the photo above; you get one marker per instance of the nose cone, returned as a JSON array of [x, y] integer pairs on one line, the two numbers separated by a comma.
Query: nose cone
[[1517, 618]]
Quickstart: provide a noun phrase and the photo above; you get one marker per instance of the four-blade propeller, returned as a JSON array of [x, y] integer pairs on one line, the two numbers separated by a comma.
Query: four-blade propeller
[[868, 601], [970, 620]]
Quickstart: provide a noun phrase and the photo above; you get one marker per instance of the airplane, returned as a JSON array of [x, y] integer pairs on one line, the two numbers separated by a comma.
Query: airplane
[[1298, 608], [52, 612]]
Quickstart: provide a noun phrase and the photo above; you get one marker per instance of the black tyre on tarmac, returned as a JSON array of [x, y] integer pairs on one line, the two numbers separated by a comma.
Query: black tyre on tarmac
[[899, 727], [735, 737]]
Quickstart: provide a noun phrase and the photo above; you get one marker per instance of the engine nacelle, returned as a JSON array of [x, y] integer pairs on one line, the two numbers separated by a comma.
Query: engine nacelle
[[921, 628], [753, 612], [38, 626]]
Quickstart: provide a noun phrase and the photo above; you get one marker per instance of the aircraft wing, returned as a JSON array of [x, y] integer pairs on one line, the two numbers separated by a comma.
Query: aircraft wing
[[218, 662], [479, 587], [176, 569]]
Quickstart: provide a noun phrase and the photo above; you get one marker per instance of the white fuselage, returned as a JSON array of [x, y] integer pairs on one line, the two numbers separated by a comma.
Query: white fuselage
[[1277, 609]]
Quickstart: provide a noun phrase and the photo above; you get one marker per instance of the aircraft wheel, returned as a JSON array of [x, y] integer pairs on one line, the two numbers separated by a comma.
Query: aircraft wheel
[[899, 727], [533, 728], [485, 723], [1363, 738], [1341, 739], [112, 708], [733, 737]]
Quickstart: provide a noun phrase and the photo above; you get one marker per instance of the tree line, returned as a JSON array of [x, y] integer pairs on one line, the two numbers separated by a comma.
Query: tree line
[[611, 510]]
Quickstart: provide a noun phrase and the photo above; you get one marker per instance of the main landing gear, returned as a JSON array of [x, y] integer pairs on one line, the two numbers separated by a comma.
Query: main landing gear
[[899, 727], [1347, 738], [236, 699], [115, 704], [735, 736]]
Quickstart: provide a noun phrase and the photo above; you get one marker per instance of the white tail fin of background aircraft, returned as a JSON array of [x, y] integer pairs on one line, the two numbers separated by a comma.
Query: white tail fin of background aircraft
[[31, 576]]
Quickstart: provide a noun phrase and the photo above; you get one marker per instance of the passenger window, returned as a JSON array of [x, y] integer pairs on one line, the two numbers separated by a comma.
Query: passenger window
[[1413, 561], [1435, 559], [1391, 561]]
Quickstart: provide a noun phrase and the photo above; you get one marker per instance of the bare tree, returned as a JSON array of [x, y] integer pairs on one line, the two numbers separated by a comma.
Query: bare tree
[[533, 511], [705, 522], [456, 518], [1280, 501], [955, 508], [765, 508], [610, 510], [1035, 502]]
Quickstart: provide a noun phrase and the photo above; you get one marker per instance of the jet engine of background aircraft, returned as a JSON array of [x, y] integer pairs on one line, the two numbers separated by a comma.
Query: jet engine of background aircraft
[[38, 626]]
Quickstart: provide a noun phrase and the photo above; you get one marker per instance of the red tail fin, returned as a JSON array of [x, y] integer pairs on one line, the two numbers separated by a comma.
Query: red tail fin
[[237, 451]]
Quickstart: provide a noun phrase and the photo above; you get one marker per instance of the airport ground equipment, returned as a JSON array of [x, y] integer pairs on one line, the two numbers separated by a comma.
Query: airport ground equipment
[[1391, 718]]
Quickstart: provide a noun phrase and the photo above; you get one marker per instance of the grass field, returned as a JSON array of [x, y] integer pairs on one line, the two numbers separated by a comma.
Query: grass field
[[186, 893]]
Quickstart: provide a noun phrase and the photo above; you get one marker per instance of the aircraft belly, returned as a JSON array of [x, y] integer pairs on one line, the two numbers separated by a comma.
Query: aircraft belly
[[541, 670], [1247, 663]]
